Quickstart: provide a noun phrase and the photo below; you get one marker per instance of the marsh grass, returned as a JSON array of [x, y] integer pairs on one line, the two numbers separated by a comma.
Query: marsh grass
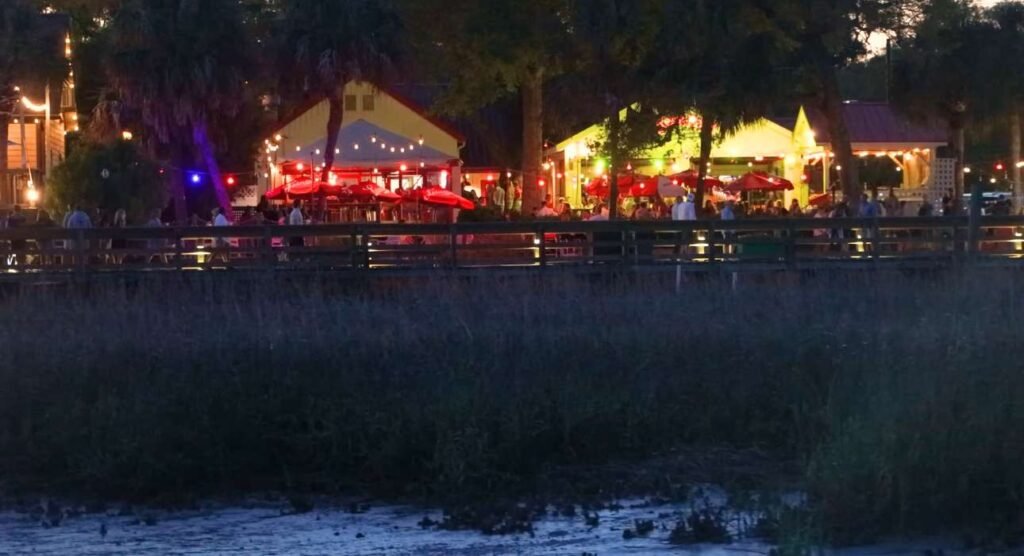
[[900, 393]]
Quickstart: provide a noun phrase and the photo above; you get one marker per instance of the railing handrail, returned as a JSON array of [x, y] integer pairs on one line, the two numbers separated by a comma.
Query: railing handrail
[[30, 232]]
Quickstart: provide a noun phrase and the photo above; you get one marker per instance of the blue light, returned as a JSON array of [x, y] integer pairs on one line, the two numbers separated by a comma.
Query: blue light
[[196, 178]]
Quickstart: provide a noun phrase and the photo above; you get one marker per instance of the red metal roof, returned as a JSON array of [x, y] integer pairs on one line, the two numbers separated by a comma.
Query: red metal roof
[[877, 122]]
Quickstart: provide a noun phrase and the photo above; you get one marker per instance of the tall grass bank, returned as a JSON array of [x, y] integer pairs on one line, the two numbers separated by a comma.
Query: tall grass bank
[[901, 395]]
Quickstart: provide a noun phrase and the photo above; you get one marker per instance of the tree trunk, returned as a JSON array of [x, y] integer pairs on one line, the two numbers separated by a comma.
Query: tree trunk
[[706, 142], [614, 126], [201, 139], [335, 117], [1018, 189], [179, 197], [832, 105], [842, 149], [956, 139], [532, 90]]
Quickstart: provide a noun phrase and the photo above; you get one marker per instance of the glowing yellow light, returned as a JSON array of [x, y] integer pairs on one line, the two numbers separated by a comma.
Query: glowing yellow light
[[659, 165], [278, 137], [403, 167], [32, 195], [126, 135], [599, 167], [300, 166], [677, 167], [789, 160], [35, 107]]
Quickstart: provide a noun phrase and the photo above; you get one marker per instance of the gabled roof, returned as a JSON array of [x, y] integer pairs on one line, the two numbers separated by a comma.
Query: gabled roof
[[485, 132], [370, 154], [876, 122], [391, 92]]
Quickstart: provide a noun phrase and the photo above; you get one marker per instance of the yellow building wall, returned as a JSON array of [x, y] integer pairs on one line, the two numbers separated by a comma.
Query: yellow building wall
[[31, 144], [387, 113]]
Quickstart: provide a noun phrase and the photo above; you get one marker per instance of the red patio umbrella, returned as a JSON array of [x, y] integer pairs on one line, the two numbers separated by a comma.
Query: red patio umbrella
[[758, 181], [441, 197], [601, 187], [689, 178], [644, 187], [369, 192], [820, 200], [296, 188]]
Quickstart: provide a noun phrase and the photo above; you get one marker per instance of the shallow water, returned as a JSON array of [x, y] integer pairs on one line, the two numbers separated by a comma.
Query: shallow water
[[391, 530]]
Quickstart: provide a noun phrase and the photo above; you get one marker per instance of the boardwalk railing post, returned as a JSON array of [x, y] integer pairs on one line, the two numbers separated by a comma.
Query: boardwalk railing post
[[710, 231], [790, 250], [876, 236], [542, 241], [179, 248], [453, 243], [267, 248], [81, 251], [974, 221], [354, 249]]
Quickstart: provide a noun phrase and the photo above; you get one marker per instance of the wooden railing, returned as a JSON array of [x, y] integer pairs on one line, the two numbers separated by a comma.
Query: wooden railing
[[755, 243]]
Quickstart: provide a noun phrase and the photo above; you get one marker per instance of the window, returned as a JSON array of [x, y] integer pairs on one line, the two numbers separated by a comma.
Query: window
[[350, 103], [368, 103]]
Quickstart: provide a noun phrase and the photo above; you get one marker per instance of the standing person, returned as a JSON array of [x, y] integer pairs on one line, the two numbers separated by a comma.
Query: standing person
[[498, 197], [545, 210], [728, 214], [642, 212], [926, 208], [220, 242], [841, 210], [44, 221], [709, 209], [684, 211], [156, 246], [892, 204], [794, 208], [118, 244], [948, 204], [296, 218], [517, 198], [77, 219]]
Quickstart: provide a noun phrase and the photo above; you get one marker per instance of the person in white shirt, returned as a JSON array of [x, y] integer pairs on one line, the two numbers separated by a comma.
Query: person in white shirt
[[296, 218], [546, 211], [688, 210], [684, 210], [220, 221], [600, 214]]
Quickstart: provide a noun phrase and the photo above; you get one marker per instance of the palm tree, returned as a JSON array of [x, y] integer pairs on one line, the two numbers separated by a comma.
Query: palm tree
[[723, 63], [484, 51], [1004, 66], [938, 73], [327, 44], [181, 65]]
